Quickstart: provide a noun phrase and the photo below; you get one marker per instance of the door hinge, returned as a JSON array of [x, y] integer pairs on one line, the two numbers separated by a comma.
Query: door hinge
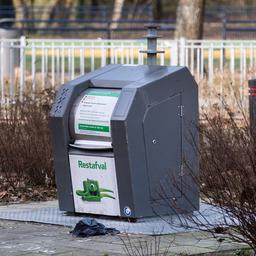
[[181, 170], [181, 110]]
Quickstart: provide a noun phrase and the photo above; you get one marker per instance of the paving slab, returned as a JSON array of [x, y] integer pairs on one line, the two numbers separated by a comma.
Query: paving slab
[[48, 212], [25, 238], [38, 237]]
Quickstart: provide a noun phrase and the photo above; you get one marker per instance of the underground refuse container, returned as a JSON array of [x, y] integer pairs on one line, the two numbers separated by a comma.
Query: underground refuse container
[[120, 136]]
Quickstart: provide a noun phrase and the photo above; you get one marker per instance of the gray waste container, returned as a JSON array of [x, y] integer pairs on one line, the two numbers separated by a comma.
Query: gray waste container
[[120, 135]]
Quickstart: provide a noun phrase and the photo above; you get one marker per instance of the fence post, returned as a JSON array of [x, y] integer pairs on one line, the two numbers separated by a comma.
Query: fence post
[[22, 66], [232, 62], [53, 65], [73, 61], [182, 45], [102, 53], [33, 69], [12, 72], [174, 53], [43, 64], [210, 64]]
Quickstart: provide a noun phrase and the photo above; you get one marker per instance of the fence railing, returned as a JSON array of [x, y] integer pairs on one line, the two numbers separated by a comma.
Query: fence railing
[[221, 67]]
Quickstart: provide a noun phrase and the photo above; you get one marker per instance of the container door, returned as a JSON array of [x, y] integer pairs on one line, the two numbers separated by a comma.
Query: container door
[[163, 142]]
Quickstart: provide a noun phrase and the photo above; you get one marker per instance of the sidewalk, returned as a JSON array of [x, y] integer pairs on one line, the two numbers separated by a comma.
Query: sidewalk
[[26, 238]]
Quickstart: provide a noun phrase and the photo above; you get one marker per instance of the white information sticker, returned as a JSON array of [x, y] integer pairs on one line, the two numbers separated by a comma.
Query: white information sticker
[[94, 112], [94, 185]]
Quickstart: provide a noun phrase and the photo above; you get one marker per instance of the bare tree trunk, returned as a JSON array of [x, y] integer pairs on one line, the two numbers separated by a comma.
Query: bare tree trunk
[[47, 11], [20, 10], [189, 19], [117, 12], [64, 10], [157, 9], [133, 9], [71, 7], [94, 5]]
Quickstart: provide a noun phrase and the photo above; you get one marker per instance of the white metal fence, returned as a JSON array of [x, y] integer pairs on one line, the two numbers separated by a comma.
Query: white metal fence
[[29, 65]]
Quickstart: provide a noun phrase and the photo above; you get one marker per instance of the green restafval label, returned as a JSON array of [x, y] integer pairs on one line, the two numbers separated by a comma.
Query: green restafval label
[[90, 127]]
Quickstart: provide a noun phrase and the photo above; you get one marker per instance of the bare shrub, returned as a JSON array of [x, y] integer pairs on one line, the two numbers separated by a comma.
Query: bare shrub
[[145, 246], [228, 173], [227, 180], [25, 152]]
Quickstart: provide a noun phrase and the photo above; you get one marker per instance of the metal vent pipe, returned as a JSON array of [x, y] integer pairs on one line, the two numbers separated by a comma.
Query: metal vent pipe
[[152, 44]]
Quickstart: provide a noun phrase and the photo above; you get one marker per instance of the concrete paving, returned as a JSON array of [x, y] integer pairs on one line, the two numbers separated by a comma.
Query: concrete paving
[[49, 213], [23, 238], [27, 238]]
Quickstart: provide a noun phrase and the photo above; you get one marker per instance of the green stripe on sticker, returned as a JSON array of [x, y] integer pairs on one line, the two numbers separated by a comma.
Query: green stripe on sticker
[[90, 127], [104, 93]]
